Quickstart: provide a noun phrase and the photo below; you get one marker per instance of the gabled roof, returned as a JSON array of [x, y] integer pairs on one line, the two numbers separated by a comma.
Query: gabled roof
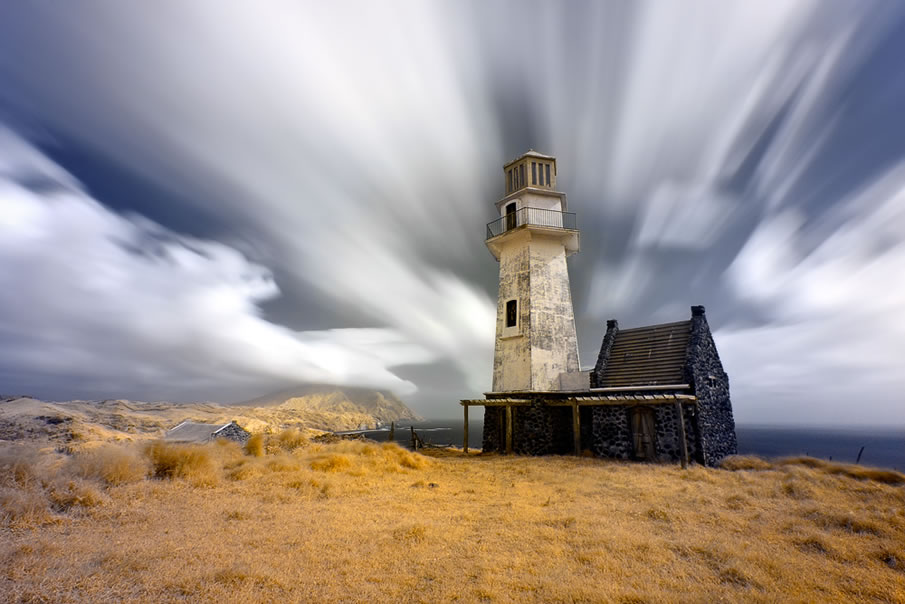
[[194, 431], [647, 356]]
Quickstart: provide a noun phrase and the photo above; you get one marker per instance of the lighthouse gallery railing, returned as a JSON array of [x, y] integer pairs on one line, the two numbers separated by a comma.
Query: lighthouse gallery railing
[[534, 216]]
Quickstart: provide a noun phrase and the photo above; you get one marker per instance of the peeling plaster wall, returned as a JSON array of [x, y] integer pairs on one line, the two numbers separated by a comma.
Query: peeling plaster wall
[[543, 345], [554, 344], [512, 356]]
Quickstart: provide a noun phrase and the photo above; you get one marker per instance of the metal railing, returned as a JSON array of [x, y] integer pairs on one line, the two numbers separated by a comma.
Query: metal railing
[[534, 216]]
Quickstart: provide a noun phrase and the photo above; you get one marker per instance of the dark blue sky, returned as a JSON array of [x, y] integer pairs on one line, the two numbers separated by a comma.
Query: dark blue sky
[[203, 201]]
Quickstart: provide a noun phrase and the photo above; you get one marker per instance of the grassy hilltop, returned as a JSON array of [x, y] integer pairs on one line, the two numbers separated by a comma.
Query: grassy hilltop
[[289, 519]]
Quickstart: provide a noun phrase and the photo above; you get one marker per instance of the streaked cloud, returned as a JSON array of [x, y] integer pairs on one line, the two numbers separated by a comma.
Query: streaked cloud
[[740, 155]]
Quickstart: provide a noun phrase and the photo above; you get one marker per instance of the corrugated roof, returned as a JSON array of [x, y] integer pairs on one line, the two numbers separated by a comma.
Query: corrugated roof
[[647, 356], [193, 432]]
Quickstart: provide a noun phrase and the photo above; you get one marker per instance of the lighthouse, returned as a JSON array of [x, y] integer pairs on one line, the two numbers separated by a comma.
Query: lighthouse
[[534, 234]]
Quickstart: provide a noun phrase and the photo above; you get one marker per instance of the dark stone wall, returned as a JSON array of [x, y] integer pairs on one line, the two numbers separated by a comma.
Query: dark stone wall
[[532, 430], [494, 440], [704, 371], [611, 433], [234, 432], [668, 442], [612, 328]]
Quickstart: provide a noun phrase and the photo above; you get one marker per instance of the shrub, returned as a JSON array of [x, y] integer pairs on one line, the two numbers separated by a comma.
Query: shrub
[[192, 462], [23, 507], [283, 463], [18, 465], [849, 470], [802, 460], [65, 494], [291, 439], [111, 463], [745, 462], [255, 445], [331, 462]]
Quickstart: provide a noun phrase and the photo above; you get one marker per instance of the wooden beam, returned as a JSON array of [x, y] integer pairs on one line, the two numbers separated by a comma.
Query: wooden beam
[[576, 429], [465, 432], [500, 402], [508, 428], [683, 442]]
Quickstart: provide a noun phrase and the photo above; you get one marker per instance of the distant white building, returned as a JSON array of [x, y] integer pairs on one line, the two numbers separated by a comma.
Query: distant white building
[[196, 432]]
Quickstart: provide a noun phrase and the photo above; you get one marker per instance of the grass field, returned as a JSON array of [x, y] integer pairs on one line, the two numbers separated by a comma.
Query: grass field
[[351, 521]]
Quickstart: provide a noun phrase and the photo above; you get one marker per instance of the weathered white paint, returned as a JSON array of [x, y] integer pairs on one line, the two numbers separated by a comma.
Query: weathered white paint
[[533, 270], [577, 381]]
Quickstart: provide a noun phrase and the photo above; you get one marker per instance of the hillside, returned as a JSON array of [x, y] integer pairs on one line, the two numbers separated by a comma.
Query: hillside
[[363, 522], [123, 420], [383, 406]]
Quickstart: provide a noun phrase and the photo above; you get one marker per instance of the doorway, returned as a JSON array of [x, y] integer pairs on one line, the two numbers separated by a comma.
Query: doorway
[[510, 216], [643, 433]]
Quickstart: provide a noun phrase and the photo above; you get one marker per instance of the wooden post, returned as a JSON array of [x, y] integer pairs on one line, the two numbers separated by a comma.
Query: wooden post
[[465, 437], [576, 428], [508, 428], [392, 437], [683, 442]]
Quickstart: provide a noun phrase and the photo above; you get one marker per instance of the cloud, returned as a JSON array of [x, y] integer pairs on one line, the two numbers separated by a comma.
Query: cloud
[[831, 288], [87, 294], [355, 151]]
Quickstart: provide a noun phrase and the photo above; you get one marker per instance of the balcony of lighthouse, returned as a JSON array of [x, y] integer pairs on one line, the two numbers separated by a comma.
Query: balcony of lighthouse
[[536, 222]]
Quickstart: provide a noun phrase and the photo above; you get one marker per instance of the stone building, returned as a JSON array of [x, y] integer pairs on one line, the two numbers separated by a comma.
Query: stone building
[[195, 432], [656, 393]]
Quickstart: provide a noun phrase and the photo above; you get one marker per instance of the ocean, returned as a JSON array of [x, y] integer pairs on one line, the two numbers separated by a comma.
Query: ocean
[[884, 448]]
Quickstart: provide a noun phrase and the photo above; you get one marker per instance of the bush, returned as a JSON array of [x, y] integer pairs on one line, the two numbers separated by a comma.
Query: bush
[[65, 494], [23, 507], [18, 465], [291, 439], [111, 463], [255, 445], [192, 462], [745, 462], [849, 470], [331, 462]]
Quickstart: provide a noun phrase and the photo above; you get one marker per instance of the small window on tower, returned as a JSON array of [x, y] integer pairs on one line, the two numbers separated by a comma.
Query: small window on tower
[[541, 174], [534, 173], [509, 190], [549, 182], [511, 313], [521, 176]]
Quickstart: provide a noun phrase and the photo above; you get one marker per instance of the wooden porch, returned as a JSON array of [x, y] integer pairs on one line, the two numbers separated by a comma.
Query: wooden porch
[[575, 400]]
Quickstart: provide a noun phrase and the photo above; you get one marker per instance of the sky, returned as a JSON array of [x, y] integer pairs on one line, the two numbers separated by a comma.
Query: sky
[[211, 201]]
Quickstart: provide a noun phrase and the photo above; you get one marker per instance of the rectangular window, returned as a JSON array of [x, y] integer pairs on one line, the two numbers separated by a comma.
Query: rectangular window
[[509, 190], [549, 182], [521, 176], [541, 174], [511, 313], [534, 173]]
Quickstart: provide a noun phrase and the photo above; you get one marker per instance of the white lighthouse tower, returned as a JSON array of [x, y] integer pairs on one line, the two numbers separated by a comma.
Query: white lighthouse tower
[[535, 329]]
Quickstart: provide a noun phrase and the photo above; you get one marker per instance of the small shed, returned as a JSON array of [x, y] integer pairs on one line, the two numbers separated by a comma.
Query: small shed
[[196, 432]]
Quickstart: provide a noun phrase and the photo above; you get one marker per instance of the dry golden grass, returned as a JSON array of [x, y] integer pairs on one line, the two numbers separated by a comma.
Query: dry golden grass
[[359, 521], [111, 463]]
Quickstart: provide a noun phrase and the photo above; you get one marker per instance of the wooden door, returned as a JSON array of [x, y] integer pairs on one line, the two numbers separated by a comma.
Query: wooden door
[[643, 433]]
